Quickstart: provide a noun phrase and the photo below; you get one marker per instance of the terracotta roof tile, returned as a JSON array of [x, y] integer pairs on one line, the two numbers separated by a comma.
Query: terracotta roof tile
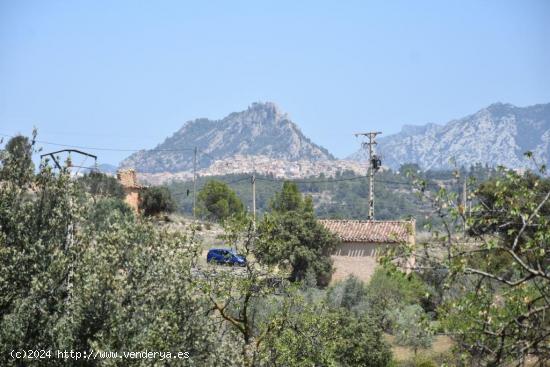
[[370, 231]]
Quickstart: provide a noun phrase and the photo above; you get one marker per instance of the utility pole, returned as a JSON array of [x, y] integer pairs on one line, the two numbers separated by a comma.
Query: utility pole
[[52, 155], [254, 199], [374, 164], [464, 200], [195, 183]]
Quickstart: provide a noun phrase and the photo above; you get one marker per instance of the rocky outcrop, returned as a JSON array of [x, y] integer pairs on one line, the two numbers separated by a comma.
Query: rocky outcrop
[[497, 135], [263, 129]]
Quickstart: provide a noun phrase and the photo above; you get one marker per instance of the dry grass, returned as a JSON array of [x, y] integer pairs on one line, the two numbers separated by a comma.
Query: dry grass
[[440, 345]]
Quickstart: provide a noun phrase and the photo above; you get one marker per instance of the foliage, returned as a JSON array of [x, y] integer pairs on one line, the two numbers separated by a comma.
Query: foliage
[[106, 212], [216, 201], [17, 154], [354, 292], [82, 274], [420, 360], [316, 335], [343, 196], [390, 289], [411, 327], [495, 194], [409, 168], [100, 184], [288, 199], [497, 286], [291, 236], [156, 200], [350, 294], [277, 325], [64, 285]]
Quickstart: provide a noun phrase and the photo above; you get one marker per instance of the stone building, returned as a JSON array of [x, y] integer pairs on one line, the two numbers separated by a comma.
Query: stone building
[[362, 242], [128, 180]]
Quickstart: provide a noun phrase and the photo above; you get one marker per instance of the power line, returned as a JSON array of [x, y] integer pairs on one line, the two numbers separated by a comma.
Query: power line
[[213, 158], [280, 180], [227, 183], [311, 181], [105, 149]]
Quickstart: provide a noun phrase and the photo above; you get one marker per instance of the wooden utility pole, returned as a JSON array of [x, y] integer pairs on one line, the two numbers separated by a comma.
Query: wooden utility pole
[[195, 183], [464, 200], [373, 165], [254, 199]]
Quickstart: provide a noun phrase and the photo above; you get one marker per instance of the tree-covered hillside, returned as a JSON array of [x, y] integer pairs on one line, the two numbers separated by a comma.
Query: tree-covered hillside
[[345, 195]]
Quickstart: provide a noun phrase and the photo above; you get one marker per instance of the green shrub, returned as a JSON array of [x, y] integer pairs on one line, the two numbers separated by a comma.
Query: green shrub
[[156, 200], [390, 289], [108, 211], [100, 184], [421, 360], [291, 234], [217, 201]]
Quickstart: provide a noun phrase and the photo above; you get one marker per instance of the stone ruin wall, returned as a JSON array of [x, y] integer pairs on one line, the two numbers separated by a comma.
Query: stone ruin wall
[[128, 180]]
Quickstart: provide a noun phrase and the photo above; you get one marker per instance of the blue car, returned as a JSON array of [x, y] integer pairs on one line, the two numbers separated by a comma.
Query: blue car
[[225, 256]]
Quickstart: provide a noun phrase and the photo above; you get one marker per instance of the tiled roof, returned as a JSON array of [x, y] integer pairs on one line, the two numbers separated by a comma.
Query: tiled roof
[[370, 230]]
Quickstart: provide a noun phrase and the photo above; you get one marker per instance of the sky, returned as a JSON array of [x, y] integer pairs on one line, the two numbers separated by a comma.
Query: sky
[[128, 74]]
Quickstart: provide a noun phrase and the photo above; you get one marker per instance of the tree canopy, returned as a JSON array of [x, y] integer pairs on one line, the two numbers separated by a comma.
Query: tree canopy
[[217, 201], [155, 200], [491, 264], [17, 157], [290, 235], [100, 184]]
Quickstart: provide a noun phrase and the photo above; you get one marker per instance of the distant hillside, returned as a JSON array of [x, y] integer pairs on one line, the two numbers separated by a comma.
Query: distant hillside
[[262, 129], [496, 135], [343, 196], [107, 168]]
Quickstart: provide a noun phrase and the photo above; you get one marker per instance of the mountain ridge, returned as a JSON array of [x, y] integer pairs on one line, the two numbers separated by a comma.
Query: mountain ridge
[[262, 129], [498, 134]]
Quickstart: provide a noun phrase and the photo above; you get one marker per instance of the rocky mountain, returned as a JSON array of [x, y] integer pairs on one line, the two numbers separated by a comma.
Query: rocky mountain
[[263, 129], [496, 135]]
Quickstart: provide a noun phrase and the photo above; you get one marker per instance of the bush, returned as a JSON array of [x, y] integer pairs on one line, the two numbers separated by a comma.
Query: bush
[[350, 294], [390, 289], [100, 184], [412, 327], [420, 360], [16, 159], [217, 201], [156, 200], [108, 211]]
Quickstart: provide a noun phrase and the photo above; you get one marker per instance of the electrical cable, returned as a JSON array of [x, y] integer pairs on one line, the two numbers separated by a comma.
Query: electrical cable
[[212, 158], [105, 149]]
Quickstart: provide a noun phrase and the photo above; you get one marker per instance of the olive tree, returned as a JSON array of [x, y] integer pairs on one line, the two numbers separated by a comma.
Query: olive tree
[[64, 285]]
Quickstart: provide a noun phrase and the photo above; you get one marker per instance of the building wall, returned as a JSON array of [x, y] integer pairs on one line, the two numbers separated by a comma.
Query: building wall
[[127, 177], [132, 198], [128, 180], [361, 260], [357, 258]]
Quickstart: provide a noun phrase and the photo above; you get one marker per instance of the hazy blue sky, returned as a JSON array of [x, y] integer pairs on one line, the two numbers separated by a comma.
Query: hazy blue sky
[[127, 74]]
